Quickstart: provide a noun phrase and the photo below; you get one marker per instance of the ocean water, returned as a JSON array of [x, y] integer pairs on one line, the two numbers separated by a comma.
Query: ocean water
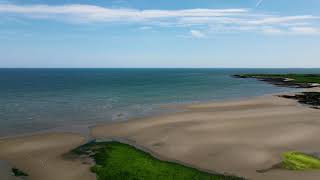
[[32, 100]]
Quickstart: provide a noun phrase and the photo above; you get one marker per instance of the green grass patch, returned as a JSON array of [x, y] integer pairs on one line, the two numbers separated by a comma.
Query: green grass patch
[[18, 172], [118, 161], [297, 78], [300, 161]]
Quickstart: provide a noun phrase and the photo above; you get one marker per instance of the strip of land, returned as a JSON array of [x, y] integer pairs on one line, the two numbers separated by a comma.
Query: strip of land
[[286, 80]]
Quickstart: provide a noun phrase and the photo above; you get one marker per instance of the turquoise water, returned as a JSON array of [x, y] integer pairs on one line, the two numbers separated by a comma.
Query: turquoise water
[[38, 99]]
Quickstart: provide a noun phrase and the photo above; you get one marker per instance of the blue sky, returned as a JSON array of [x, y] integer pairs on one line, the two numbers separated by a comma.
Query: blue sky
[[164, 33]]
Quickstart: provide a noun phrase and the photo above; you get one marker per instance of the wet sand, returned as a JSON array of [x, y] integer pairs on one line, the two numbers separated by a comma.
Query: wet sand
[[234, 137], [5, 171], [41, 156]]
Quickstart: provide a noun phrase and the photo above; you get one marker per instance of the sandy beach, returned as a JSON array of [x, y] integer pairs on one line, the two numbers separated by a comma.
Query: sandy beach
[[234, 137], [237, 137]]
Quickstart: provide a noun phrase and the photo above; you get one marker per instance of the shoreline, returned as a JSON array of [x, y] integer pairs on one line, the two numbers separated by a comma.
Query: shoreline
[[171, 108], [185, 137]]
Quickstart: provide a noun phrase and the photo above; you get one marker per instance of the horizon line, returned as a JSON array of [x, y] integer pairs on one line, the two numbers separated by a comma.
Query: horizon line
[[159, 67]]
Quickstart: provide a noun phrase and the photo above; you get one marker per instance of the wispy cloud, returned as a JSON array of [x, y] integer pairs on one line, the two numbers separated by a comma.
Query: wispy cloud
[[225, 19], [90, 13], [305, 30], [283, 19], [271, 30], [298, 30], [197, 34]]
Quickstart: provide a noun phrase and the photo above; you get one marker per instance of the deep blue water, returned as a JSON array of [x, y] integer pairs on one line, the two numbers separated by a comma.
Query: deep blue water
[[37, 99]]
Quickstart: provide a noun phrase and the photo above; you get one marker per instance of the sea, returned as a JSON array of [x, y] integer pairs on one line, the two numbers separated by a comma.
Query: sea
[[35, 100]]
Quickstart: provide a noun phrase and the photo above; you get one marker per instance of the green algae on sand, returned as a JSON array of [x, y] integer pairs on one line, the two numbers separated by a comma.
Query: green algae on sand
[[300, 161], [114, 160], [18, 172]]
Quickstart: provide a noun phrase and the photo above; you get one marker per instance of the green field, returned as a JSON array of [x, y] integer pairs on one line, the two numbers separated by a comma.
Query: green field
[[296, 78], [299, 161], [118, 161]]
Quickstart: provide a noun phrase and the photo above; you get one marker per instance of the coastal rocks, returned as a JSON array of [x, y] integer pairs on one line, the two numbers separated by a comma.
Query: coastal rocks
[[293, 80], [308, 98], [305, 81]]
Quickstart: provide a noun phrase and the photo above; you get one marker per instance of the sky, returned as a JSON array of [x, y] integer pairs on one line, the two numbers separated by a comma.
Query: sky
[[160, 34]]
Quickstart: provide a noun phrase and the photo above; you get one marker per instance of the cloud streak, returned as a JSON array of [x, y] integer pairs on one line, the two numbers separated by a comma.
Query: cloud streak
[[97, 13], [225, 19]]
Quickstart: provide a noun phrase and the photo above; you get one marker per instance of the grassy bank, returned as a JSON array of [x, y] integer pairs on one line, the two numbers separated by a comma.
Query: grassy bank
[[121, 161]]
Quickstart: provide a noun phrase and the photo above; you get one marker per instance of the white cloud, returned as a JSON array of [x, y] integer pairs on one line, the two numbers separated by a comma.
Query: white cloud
[[271, 30], [225, 20], [98, 13], [298, 30], [283, 19], [305, 30], [197, 34]]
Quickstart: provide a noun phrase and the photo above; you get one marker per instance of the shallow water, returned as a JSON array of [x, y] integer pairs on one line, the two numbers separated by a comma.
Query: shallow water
[[37, 99]]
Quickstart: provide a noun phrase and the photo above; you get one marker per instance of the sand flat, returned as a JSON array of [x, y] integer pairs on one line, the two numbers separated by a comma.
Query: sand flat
[[41, 156], [237, 137]]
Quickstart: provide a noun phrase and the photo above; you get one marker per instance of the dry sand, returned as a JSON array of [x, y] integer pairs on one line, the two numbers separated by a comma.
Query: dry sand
[[235, 137]]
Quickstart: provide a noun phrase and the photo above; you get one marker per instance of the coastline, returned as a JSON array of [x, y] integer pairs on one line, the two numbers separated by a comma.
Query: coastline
[[234, 137]]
